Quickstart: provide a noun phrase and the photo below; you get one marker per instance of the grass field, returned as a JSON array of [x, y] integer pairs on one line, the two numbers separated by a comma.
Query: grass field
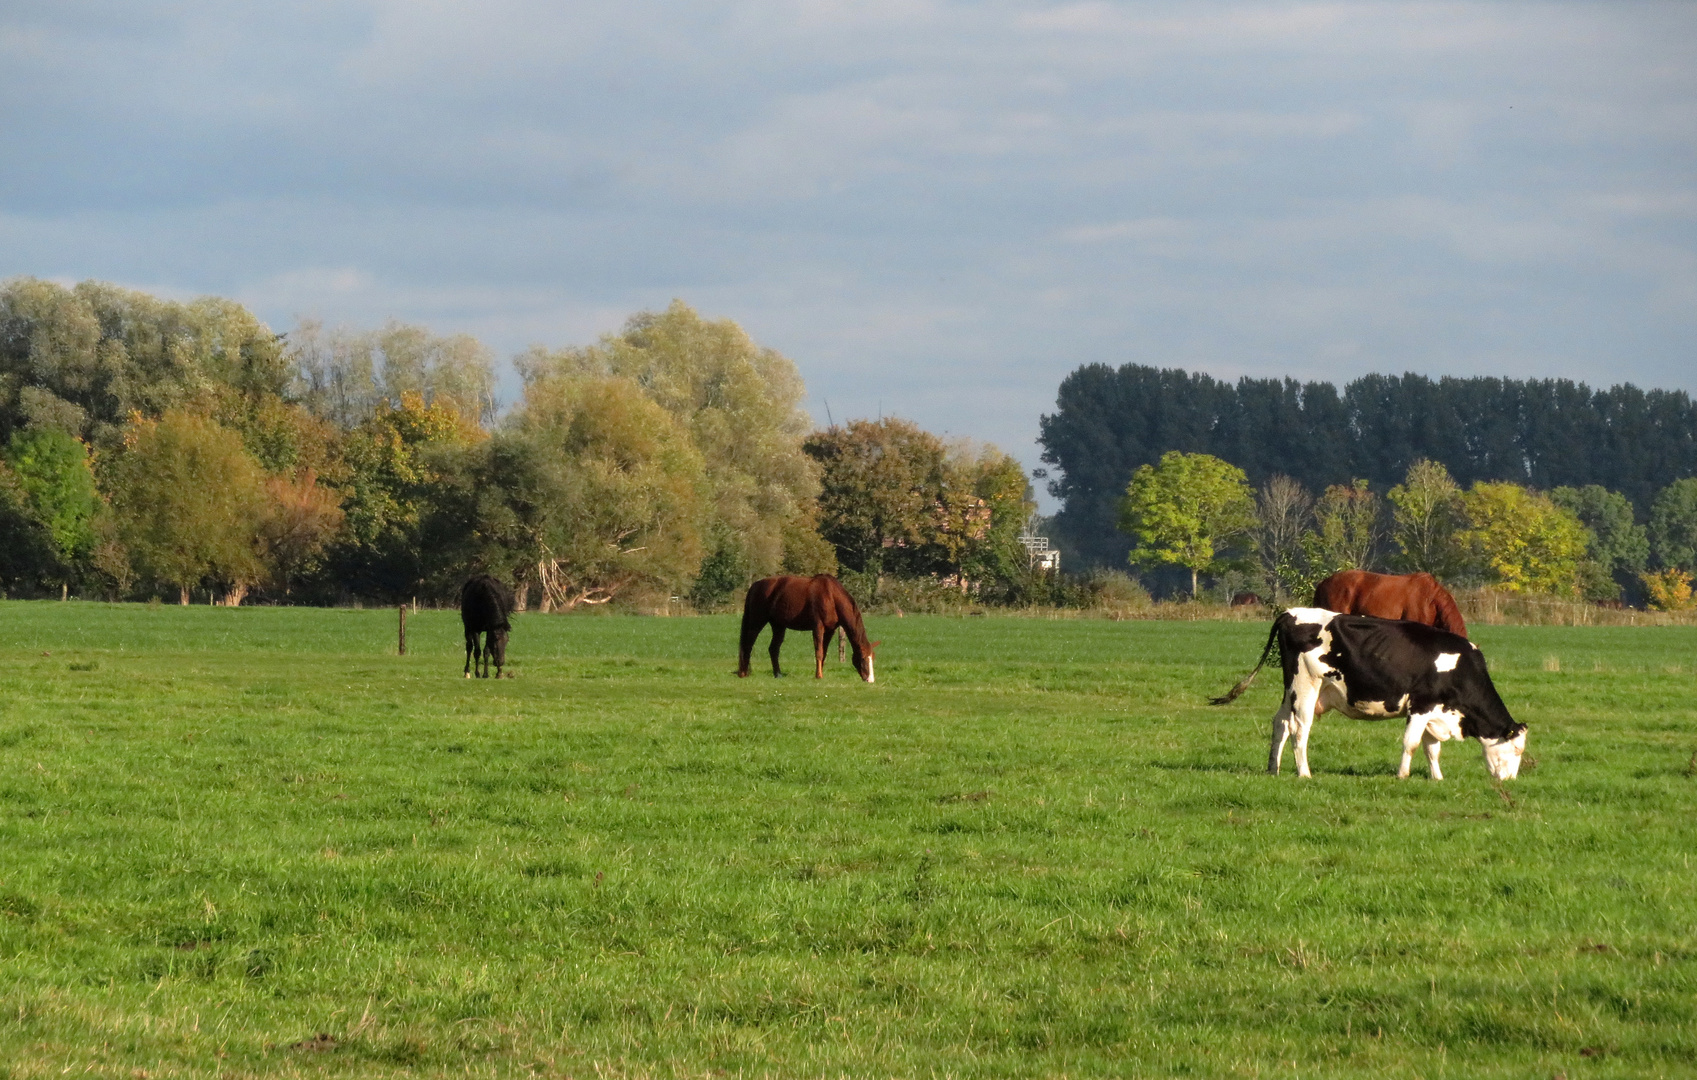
[[1029, 849]]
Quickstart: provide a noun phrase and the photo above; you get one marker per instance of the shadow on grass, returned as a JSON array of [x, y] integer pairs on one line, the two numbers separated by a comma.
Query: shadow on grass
[[1381, 769]]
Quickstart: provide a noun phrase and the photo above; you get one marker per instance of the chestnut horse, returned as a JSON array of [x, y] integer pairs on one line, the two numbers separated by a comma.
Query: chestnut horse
[[1415, 597], [819, 604]]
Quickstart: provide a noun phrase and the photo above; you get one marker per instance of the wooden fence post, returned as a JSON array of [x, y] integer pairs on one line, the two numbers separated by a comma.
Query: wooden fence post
[[403, 629]]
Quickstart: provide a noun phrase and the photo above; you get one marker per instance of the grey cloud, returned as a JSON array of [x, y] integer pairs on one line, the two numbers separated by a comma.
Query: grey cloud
[[936, 208]]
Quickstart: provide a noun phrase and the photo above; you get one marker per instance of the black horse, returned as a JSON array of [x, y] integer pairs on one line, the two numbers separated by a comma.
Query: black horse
[[484, 606]]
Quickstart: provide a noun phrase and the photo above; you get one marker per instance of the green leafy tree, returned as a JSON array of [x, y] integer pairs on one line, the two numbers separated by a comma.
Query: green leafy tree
[[881, 486], [52, 469], [26, 548], [1426, 516], [89, 357], [402, 473], [597, 487], [1521, 540], [741, 404], [1191, 510], [1673, 525], [190, 501], [1616, 547]]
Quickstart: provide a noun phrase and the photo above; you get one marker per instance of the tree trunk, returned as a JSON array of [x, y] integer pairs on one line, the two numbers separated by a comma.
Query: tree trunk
[[1193, 583], [184, 596]]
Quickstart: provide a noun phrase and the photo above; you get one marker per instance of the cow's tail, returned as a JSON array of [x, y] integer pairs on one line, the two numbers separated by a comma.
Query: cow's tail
[[1243, 683]]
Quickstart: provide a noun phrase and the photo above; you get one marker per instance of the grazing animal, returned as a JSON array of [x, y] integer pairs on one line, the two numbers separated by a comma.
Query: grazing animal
[[484, 606], [1369, 669], [1415, 597], [819, 604], [1247, 599]]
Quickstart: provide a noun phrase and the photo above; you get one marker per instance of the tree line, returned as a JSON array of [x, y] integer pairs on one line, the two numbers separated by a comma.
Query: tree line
[[156, 448], [1199, 513], [1539, 434]]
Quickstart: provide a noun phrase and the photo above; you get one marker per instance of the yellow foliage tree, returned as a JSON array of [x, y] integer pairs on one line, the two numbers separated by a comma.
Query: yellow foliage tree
[[1521, 540], [1669, 590]]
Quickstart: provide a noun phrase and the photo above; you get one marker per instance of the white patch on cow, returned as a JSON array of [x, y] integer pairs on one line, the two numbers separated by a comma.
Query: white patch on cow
[[1312, 616], [1502, 756], [1447, 661], [1375, 710], [1430, 729]]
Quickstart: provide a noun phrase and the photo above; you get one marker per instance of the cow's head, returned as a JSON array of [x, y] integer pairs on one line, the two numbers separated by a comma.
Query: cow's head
[[1502, 756]]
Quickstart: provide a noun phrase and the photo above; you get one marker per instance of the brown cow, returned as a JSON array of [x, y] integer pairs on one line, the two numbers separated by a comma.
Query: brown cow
[[1415, 597]]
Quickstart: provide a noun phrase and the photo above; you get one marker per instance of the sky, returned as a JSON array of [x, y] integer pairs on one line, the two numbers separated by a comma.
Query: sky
[[937, 210]]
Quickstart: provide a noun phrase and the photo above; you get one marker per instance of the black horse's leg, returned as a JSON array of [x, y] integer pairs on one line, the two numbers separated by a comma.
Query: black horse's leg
[[480, 664], [470, 644], [777, 643]]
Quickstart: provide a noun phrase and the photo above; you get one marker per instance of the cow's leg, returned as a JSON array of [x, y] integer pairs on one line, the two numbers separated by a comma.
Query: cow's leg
[[1302, 721], [1300, 750], [1281, 731], [470, 645], [1434, 746], [777, 643], [1413, 735]]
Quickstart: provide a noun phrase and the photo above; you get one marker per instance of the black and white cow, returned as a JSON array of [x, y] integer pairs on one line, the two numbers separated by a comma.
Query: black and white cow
[[1369, 669]]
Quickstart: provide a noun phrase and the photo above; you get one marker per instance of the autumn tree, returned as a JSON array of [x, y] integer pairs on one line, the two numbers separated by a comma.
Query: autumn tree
[[1190, 510], [1521, 540], [597, 487], [301, 519], [741, 404], [189, 500], [881, 482], [985, 504]]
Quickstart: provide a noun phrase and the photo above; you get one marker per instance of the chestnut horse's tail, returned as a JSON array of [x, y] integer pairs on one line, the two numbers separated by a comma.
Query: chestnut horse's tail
[[1243, 684], [755, 615]]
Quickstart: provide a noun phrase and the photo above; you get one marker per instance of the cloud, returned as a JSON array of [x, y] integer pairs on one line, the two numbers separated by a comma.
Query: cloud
[[937, 208]]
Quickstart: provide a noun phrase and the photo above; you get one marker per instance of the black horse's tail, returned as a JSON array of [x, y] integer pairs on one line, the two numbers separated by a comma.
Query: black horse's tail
[[1243, 683]]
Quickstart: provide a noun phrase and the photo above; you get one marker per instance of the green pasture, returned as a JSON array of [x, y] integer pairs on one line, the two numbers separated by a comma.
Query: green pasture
[[256, 842]]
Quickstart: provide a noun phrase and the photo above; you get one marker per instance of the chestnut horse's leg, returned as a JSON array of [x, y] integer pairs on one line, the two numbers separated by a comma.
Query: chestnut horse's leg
[[777, 643], [821, 640]]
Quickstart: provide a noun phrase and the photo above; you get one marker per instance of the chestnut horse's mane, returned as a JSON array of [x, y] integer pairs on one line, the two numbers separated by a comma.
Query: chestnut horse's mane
[[1449, 615], [848, 614]]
